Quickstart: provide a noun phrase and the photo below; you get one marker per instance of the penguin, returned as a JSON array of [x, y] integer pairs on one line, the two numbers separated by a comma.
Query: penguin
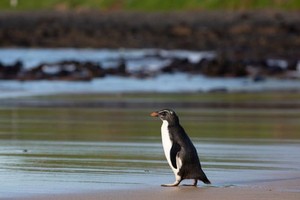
[[179, 150]]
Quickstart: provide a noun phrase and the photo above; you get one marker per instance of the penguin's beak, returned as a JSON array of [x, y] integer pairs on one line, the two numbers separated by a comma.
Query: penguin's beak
[[154, 114]]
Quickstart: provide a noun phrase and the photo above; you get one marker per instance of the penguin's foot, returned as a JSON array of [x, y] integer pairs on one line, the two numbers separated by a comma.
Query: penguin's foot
[[176, 183], [169, 185], [194, 184]]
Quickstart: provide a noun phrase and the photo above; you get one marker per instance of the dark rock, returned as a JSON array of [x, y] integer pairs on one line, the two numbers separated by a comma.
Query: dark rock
[[10, 71], [65, 70], [222, 66], [258, 78], [120, 70], [179, 65]]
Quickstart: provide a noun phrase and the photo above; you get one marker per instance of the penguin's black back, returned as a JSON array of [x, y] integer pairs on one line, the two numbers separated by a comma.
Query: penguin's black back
[[191, 167]]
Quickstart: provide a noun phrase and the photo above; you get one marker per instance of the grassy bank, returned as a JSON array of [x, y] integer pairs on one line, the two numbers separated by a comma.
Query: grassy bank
[[149, 5]]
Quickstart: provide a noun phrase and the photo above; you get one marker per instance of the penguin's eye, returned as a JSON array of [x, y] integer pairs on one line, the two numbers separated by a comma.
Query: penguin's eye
[[163, 113]]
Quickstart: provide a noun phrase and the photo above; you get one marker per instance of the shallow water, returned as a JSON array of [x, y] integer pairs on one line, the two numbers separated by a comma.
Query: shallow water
[[68, 150], [45, 167]]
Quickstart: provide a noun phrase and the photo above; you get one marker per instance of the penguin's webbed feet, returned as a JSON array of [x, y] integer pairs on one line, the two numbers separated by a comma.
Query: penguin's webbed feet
[[194, 184]]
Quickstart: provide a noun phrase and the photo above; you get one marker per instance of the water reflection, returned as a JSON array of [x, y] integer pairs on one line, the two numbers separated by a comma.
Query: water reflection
[[58, 167], [100, 124]]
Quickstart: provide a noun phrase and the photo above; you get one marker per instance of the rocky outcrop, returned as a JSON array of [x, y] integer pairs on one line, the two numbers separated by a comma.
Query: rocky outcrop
[[218, 66]]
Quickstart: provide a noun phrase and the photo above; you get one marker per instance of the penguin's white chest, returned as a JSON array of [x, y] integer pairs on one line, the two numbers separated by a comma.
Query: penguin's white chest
[[167, 143]]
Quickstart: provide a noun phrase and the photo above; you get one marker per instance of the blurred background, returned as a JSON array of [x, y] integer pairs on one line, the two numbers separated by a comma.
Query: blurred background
[[130, 46], [78, 79]]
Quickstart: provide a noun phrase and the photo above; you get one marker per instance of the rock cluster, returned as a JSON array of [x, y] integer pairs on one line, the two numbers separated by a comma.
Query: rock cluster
[[65, 70], [218, 66]]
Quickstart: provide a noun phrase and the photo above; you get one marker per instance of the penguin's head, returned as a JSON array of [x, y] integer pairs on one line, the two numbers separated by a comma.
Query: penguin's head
[[166, 115]]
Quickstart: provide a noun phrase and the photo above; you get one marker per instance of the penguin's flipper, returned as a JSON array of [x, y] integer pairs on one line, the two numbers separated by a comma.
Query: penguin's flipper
[[173, 154]]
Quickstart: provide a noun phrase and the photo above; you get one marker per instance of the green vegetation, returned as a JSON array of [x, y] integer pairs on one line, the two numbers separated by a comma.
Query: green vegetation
[[150, 5]]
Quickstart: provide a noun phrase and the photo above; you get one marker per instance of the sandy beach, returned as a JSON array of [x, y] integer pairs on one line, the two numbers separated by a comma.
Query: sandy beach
[[285, 186], [80, 158]]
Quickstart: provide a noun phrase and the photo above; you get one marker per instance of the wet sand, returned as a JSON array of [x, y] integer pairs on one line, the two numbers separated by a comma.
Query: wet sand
[[238, 170], [287, 186]]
